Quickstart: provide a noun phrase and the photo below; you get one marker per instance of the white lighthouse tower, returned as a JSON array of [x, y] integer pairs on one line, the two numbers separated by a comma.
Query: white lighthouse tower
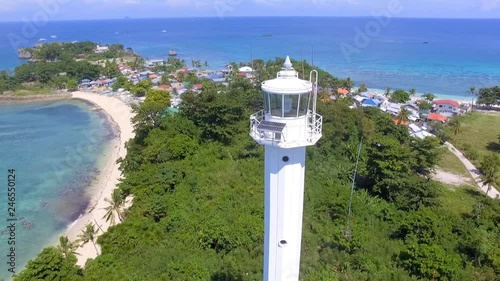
[[287, 124]]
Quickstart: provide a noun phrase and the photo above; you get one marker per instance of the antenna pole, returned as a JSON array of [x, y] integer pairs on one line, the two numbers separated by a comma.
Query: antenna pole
[[349, 213], [302, 59], [312, 56]]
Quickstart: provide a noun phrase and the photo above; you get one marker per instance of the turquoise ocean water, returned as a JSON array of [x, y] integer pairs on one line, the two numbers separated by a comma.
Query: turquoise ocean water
[[443, 56], [54, 148]]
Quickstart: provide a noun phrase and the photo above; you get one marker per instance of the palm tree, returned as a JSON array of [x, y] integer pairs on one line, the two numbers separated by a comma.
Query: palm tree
[[412, 92], [115, 206], [387, 92], [455, 125], [403, 115], [362, 88], [429, 97], [473, 92], [67, 247], [489, 167], [88, 234]]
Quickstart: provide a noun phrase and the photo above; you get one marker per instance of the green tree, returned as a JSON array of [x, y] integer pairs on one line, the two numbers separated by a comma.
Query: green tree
[[50, 265], [399, 96], [429, 97], [430, 262], [114, 207], [456, 125], [412, 92], [88, 234], [473, 92], [362, 88], [427, 153], [489, 96], [121, 83], [72, 85], [424, 105], [490, 167], [388, 162], [141, 88], [387, 92], [67, 247], [403, 115]]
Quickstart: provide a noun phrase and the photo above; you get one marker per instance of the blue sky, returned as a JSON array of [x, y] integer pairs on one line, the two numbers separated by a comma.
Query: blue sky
[[18, 10]]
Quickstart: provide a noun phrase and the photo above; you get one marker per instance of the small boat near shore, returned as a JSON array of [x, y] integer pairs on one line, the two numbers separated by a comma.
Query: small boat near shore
[[172, 53]]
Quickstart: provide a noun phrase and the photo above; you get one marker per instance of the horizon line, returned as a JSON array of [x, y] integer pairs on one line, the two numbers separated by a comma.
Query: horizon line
[[255, 16]]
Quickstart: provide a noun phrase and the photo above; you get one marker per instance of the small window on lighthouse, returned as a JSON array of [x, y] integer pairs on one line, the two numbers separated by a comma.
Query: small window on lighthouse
[[304, 104], [290, 109], [287, 106], [276, 104], [266, 103]]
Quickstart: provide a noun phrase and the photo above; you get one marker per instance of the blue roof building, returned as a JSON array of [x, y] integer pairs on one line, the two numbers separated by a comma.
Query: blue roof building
[[370, 103]]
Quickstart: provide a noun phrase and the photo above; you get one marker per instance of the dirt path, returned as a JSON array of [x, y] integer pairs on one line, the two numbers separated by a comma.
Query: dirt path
[[474, 172]]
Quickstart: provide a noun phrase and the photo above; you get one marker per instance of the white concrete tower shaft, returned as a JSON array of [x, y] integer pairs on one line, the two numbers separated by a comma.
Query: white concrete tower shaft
[[284, 196], [286, 126]]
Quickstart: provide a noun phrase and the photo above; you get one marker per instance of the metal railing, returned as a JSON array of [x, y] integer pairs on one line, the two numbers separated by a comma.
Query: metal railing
[[307, 133]]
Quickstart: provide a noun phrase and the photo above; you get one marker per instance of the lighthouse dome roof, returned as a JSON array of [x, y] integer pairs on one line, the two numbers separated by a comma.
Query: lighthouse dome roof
[[287, 82]]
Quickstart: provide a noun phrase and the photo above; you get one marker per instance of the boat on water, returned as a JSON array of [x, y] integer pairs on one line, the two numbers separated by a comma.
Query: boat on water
[[267, 35], [172, 53], [164, 31], [42, 39], [53, 36]]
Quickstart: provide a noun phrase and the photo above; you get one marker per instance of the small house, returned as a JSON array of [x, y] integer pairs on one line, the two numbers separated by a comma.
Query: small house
[[446, 107]]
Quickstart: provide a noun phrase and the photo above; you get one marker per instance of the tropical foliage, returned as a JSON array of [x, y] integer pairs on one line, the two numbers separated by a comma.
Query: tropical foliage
[[197, 181]]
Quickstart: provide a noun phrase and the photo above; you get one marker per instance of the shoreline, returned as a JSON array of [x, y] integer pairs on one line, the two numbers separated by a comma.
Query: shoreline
[[12, 99], [118, 114]]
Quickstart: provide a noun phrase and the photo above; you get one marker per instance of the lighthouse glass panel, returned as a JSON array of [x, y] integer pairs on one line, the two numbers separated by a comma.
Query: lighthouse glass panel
[[276, 105], [290, 105], [266, 103], [305, 100]]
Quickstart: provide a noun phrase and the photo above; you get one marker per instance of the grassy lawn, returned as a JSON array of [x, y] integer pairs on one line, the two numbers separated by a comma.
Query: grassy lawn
[[451, 164], [461, 201], [479, 136]]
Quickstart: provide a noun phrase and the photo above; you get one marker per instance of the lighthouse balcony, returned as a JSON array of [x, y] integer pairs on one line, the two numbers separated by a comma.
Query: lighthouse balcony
[[286, 132]]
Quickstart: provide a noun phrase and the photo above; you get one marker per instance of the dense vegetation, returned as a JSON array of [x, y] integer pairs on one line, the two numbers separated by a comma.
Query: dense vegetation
[[489, 96], [197, 182]]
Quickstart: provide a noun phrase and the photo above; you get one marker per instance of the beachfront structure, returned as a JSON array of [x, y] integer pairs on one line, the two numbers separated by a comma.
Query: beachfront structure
[[446, 107], [101, 49], [286, 126]]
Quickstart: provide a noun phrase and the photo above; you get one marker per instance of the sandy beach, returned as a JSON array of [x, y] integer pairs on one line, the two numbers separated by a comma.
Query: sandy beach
[[119, 113]]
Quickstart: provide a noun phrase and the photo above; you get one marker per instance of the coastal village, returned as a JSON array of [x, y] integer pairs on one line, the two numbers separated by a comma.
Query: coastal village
[[409, 113]]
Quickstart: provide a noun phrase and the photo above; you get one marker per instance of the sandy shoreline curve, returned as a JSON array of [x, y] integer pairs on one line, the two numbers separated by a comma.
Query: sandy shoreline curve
[[119, 113]]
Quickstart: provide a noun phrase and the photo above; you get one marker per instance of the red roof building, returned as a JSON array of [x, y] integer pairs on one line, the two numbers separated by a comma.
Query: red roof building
[[447, 102], [436, 117], [343, 91], [198, 86], [165, 87]]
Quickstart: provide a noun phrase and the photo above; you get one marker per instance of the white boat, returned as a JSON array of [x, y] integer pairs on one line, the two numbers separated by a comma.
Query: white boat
[[53, 36], [164, 31], [42, 39]]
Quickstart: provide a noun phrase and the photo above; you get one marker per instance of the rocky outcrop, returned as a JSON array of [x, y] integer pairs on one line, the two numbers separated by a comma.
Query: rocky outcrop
[[25, 53]]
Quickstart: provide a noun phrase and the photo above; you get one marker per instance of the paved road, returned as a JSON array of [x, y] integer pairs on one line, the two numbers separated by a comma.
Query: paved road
[[474, 172]]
